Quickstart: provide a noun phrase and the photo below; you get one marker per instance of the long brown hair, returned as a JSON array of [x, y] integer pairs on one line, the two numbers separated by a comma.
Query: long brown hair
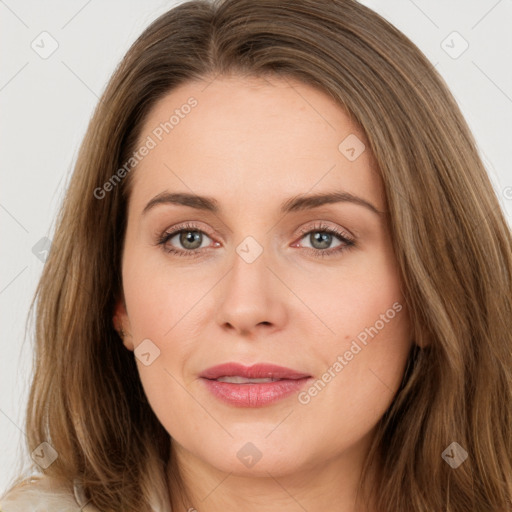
[[451, 241]]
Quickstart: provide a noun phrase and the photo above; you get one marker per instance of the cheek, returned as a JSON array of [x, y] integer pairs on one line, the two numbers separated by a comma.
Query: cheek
[[163, 308], [159, 298], [352, 296], [363, 372], [366, 350]]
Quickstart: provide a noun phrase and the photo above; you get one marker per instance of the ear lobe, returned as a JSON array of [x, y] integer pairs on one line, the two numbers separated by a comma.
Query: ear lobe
[[122, 325]]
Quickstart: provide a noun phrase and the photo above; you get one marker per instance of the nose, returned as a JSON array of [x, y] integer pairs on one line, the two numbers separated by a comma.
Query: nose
[[252, 299]]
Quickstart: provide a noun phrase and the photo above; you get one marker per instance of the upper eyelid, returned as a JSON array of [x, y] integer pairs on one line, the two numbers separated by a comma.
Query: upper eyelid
[[183, 227], [190, 225], [322, 226]]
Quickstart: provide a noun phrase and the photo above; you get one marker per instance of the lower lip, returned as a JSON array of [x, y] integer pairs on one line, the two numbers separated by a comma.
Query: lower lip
[[254, 395]]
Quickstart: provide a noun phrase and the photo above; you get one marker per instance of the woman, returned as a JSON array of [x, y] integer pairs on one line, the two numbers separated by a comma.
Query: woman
[[279, 276]]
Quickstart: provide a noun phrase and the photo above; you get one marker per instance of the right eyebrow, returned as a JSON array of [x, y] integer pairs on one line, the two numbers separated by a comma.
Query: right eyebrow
[[185, 199]]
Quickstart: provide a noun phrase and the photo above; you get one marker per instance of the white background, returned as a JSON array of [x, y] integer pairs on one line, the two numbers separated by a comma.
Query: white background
[[46, 105]]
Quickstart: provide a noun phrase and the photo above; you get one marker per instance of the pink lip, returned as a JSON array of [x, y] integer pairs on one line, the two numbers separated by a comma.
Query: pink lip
[[257, 394], [256, 371]]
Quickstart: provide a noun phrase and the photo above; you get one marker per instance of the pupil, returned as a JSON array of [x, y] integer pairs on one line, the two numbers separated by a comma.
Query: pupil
[[322, 238], [188, 238]]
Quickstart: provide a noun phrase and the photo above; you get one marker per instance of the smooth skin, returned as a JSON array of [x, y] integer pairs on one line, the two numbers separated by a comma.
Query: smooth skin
[[252, 144]]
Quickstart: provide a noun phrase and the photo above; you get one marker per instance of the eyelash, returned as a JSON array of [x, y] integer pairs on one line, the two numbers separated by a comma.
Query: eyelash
[[348, 241]]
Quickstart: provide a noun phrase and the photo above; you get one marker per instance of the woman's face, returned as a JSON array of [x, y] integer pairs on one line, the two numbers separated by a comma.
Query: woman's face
[[283, 259]]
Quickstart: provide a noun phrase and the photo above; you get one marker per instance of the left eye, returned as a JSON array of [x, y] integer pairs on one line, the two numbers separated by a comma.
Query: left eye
[[321, 240]]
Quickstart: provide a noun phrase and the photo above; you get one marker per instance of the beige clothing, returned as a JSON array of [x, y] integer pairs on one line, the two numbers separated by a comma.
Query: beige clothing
[[45, 494]]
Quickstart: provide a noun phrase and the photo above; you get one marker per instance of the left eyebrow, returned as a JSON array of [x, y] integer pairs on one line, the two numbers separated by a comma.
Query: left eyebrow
[[297, 203], [304, 202]]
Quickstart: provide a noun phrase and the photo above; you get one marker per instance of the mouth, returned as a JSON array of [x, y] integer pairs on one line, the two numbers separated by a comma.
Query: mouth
[[255, 386], [254, 372]]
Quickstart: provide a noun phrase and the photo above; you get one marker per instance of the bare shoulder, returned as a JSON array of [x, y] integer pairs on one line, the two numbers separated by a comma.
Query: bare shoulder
[[42, 493]]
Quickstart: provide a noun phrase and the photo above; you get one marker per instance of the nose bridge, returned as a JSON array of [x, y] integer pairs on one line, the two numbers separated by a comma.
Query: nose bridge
[[249, 277], [250, 295]]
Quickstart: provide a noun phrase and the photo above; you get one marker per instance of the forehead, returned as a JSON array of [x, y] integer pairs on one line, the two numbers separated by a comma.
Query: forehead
[[257, 135]]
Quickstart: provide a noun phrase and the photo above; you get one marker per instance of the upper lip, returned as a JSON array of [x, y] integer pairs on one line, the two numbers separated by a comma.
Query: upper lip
[[256, 371]]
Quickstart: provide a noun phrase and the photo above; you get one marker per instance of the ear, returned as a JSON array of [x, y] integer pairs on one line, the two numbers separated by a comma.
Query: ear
[[122, 322]]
